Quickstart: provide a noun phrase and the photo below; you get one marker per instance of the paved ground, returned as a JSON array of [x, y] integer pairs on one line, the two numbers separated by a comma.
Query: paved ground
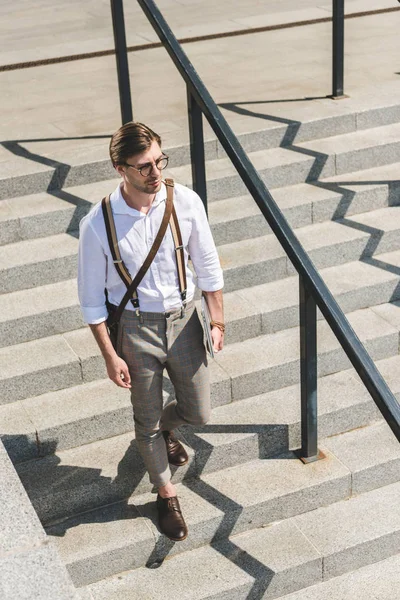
[[46, 29], [258, 78]]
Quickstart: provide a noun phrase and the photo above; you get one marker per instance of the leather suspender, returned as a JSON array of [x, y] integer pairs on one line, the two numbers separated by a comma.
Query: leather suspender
[[132, 285], [179, 255]]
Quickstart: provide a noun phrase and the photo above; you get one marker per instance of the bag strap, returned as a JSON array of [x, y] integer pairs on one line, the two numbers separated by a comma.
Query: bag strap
[[113, 241], [119, 264], [133, 284]]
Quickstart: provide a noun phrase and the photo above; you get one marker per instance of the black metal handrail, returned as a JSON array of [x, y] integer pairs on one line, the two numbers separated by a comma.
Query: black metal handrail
[[121, 56], [313, 290], [337, 48]]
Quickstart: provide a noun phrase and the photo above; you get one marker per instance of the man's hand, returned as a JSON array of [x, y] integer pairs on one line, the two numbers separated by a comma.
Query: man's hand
[[217, 338], [118, 372], [117, 368], [216, 307]]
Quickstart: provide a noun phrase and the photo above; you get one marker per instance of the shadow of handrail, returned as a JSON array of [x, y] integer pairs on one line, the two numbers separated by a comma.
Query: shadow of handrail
[[59, 175], [344, 205]]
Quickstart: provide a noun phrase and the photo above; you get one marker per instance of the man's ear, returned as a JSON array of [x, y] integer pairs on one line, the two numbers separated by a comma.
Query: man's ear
[[120, 169]]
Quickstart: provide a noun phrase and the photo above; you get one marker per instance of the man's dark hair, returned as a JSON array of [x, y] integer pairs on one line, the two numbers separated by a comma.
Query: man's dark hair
[[132, 138]]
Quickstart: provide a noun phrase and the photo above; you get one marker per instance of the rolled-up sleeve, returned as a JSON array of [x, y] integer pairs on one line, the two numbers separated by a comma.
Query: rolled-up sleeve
[[203, 252], [92, 269]]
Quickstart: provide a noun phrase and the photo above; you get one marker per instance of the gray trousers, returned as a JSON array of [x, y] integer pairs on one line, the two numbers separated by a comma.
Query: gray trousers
[[150, 343]]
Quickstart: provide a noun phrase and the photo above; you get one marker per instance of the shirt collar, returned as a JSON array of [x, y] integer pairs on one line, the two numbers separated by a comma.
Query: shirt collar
[[120, 207]]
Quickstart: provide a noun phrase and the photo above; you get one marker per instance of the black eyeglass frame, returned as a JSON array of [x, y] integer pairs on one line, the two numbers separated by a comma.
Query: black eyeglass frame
[[150, 166]]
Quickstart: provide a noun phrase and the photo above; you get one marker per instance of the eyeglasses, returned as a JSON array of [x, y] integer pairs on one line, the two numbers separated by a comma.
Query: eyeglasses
[[146, 169]]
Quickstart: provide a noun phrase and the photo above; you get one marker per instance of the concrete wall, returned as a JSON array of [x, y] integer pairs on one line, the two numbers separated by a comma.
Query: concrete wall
[[30, 568]]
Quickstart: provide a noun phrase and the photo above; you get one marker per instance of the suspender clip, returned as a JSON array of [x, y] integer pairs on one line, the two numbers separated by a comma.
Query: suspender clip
[[135, 303]]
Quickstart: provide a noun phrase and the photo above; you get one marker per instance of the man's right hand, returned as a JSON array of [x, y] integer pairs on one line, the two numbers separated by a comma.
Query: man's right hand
[[117, 368], [118, 372]]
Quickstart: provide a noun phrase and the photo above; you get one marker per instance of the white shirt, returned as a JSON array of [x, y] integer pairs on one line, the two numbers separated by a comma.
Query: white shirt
[[159, 289]]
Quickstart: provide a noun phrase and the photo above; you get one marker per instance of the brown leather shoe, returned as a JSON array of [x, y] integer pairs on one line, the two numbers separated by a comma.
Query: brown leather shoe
[[170, 519], [177, 455]]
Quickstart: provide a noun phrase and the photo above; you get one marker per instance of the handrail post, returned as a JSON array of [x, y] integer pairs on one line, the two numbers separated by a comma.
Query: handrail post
[[308, 375], [121, 55], [337, 48], [197, 156]]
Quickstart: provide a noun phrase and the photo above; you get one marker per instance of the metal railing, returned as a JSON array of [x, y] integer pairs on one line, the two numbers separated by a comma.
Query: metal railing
[[337, 48], [313, 291], [121, 55]]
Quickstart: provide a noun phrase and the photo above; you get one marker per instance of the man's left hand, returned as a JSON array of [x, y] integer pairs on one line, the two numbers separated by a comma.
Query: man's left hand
[[217, 338]]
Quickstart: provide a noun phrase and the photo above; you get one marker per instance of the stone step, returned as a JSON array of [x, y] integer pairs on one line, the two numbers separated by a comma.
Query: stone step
[[355, 285], [355, 151], [62, 361], [47, 213], [54, 309], [39, 312], [251, 367], [238, 432], [65, 167], [271, 361], [261, 260], [52, 213], [357, 532], [69, 164], [303, 162], [377, 580], [67, 418], [356, 180], [57, 421], [271, 422], [359, 191], [307, 203], [278, 167], [37, 367], [92, 480], [380, 224], [96, 474], [246, 497], [201, 574], [279, 561], [31, 263], [41, 215]]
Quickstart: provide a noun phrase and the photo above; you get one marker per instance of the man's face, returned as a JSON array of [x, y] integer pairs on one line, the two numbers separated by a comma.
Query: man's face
[[149, 184]]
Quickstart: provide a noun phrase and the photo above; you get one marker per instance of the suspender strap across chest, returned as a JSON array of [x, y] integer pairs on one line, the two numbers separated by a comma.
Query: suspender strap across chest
[[170, 217]]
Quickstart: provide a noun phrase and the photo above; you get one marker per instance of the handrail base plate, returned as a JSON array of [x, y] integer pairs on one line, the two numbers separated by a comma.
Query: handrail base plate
[[309, 459]]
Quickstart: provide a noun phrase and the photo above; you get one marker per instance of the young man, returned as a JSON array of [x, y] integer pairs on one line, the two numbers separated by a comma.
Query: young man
[[164, 332]]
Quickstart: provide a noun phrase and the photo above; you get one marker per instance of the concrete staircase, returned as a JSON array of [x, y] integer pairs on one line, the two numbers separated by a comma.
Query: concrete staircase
[[262, 524]]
